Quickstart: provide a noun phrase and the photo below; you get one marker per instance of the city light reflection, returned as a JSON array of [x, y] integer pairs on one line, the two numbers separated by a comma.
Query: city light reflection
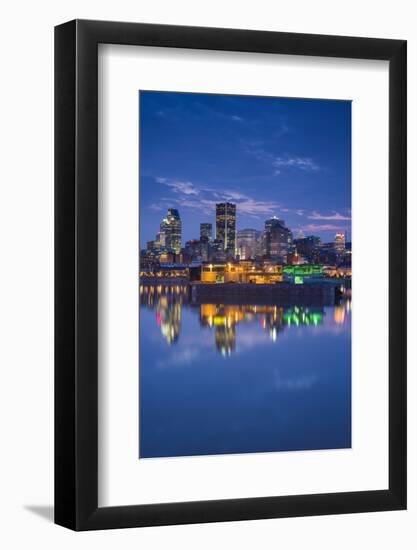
[[223, 319]]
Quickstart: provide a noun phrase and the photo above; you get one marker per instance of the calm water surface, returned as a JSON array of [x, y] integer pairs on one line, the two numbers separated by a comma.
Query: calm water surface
[[220, 378]]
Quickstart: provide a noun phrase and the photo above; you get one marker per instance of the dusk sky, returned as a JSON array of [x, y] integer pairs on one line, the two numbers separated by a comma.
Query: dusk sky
[[270, 156]]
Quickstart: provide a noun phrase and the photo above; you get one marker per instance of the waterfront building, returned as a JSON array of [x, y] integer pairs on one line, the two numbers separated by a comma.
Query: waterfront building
[[226, 226], [241, 272], [206, 232], [173, 273], [299, 274]]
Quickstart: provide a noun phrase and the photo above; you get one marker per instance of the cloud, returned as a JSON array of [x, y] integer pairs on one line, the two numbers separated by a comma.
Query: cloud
[[336, 216], [306, 164], [254, 207], [298, 211], [246, 204], [181, 187], [237, 118], [202, 205], [204, 199], [320, 227], [302, 163]]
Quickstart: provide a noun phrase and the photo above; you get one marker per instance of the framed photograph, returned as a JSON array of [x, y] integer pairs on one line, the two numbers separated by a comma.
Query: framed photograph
[[230, 247]]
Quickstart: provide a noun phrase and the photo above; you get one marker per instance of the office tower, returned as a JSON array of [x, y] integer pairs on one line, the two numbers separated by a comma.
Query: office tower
[[277, 239], [170, 231], [226, 226], [206, 232], [308, 247], [192, 249], [339, 243], [216, 250], [247, 243]]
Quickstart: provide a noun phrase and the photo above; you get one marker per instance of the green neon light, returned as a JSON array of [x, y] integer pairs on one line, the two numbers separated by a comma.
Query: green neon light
[[303, 269]]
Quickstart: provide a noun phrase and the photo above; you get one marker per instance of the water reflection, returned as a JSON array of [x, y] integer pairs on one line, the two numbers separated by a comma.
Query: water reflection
[[167, 301], [222, 319], [230, 378]]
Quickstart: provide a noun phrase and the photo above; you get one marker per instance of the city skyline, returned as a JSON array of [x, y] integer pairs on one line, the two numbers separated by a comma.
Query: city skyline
[[276, 240], [288, 158]]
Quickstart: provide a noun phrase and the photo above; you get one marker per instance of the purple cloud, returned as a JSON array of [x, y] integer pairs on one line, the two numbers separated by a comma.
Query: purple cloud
[[336, 216], [204, 199]]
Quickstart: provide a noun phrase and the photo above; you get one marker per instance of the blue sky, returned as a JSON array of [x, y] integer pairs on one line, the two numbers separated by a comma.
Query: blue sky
[[271, 156]]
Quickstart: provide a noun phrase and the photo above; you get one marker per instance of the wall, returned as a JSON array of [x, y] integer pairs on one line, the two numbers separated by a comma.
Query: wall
[[26, 302]]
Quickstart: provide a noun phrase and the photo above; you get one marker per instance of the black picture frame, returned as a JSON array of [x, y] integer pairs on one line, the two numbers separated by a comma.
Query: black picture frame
[[76, 273]]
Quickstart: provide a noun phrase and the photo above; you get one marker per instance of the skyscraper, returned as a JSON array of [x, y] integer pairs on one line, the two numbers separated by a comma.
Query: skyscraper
[[206, 232], [308, 247], [226, 226], [247, 243], [170, 231], [277, 239], [339, 243]]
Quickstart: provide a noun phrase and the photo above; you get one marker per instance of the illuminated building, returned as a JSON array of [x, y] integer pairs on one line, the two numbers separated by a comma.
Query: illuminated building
[[340, 272], [308, 247], [298, 274], [339, 243], [170, 231], [293, 258], [212, 273], [327, 254], [206, 235], [247, 243], [277, 239], [204, 250], [226, 226], [241, 272], [193, 249], [206, 232], [166, 258], [168, 272], [216, 251]]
